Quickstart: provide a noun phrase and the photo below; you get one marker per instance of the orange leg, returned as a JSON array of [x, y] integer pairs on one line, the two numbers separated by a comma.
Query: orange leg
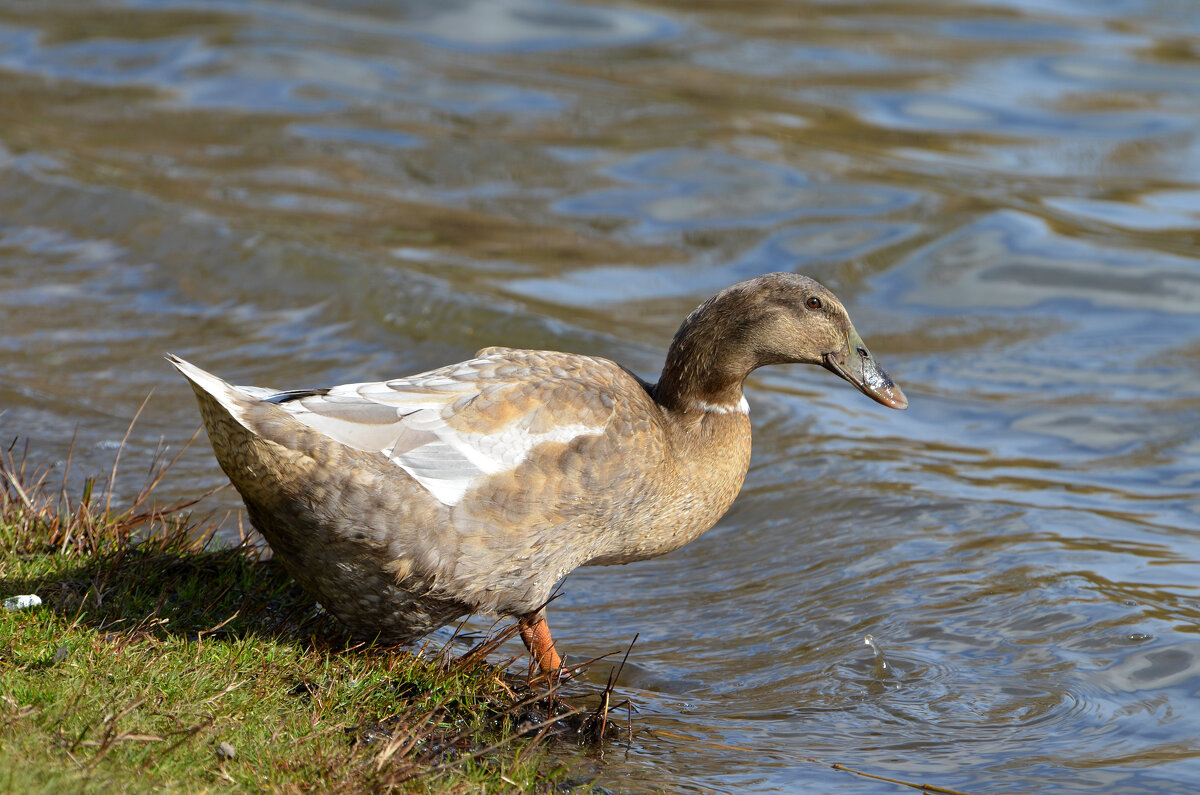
[[536, 635]]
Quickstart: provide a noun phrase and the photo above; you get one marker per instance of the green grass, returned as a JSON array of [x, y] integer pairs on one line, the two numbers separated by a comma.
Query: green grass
[[158, 662]]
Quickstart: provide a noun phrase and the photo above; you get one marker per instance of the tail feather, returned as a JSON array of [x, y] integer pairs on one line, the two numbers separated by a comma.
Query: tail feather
[[230, 398]]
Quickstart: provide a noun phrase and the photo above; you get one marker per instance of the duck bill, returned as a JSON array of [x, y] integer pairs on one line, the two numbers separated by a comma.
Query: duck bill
[[856, 364]]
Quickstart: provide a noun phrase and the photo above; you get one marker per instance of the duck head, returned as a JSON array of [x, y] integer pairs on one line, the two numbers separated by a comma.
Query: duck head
[[779, 318]]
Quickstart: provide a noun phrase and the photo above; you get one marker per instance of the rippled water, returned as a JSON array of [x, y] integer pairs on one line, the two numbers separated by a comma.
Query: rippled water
[[1006, 194]]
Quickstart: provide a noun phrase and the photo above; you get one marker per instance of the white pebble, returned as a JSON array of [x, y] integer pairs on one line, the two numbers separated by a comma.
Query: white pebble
[[22, 602]]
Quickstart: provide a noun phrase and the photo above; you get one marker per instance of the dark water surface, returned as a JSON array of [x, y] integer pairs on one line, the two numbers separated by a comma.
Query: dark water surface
[[1006, 194]]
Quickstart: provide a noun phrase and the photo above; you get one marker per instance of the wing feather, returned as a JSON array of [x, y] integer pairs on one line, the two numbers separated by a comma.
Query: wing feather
[[452, 427]]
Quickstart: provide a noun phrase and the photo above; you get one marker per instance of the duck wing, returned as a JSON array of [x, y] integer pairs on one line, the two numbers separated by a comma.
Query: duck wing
[[451, 427]]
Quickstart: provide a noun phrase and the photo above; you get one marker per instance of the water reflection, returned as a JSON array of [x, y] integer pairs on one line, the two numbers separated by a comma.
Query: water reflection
[[698, 189], [948, 114], [1012, 260], [1151, 212]]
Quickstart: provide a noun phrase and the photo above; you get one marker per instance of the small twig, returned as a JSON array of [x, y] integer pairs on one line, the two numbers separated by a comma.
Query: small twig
[[498, 745], [211, 630], [112, 477], [15, 482], [226, 691], [62, 489]]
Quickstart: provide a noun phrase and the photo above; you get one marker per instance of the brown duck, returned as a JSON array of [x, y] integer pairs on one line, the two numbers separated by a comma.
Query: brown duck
[[402, 505]]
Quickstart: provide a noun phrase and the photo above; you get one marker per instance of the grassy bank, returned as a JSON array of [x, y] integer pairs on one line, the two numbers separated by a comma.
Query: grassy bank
[[157, 661]]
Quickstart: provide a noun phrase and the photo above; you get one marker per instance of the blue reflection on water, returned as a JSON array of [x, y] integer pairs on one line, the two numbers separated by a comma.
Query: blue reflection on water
[[355, 135], [473, 26], [948, 114], [694, 189]]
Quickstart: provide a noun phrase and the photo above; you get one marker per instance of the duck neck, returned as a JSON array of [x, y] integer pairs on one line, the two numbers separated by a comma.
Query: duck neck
[[706, 364]]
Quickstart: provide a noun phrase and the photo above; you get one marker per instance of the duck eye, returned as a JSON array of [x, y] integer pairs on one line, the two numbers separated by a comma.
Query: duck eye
[[863, 353], [813, 303]]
